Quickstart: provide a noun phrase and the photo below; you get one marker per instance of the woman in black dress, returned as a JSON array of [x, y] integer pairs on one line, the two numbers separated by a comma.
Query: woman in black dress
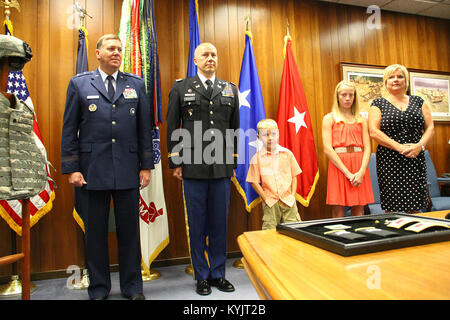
[[402, 126]]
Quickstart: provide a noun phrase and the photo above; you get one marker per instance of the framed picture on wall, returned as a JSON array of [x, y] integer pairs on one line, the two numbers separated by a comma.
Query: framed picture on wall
[[368, 80], [434, 88]]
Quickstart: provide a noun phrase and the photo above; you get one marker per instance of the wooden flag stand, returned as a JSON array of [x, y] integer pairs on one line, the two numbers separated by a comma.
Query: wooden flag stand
[[25, 286], [83, 283]]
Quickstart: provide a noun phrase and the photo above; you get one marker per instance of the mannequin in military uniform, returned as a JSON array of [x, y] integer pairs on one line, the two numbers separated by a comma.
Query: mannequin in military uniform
[[106, 150], [22, 165], [203, 154]]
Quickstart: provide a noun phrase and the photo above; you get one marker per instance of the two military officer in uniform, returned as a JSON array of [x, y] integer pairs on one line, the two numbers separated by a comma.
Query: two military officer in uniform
[[207, 110], [106, 150]]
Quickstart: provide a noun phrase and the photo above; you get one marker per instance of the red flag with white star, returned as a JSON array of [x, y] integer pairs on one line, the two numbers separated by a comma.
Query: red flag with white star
[[295, 127]]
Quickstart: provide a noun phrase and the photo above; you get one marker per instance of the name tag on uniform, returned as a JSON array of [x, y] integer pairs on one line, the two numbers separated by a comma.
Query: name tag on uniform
[[130, 93], [189, 97], [227, 91], [92, 97]]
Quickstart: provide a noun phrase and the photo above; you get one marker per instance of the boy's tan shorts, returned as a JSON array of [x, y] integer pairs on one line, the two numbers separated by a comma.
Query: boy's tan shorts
[[279, 213]]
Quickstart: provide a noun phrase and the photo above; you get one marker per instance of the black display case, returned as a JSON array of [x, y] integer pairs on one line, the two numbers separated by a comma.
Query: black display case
[[350, 236]]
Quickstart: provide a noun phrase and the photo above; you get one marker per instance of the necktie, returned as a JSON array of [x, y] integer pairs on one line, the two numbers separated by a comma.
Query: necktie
[[111, 90], [209, 88]]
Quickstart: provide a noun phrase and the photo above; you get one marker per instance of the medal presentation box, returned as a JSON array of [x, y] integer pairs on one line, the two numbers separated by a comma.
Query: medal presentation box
[[350, 236]]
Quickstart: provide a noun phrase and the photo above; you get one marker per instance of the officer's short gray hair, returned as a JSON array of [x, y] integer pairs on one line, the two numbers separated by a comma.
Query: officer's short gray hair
[[201, 45], [109, 36]]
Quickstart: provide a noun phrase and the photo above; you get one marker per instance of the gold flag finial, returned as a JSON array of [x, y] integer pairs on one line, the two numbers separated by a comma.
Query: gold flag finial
[[9, 4], [248, 21], [248, 26], [287, 27], [286, 37]]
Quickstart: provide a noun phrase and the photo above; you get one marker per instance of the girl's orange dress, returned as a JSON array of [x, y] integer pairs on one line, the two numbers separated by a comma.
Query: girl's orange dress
[[339, 189]]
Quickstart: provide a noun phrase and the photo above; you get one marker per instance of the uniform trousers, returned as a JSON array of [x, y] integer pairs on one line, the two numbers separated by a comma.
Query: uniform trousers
[[95, 206], [206, 203]]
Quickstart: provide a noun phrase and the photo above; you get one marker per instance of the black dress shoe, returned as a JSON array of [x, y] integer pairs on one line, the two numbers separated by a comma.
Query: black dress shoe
[[100, 298], [137, 296], [203, 287], [222, 284]]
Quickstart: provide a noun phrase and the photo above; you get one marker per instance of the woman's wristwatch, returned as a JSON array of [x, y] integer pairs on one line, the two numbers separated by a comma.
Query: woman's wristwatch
[[422, 146]]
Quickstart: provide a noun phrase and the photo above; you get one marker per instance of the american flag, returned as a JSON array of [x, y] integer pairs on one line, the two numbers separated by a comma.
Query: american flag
[[42, 203], [17, 86]]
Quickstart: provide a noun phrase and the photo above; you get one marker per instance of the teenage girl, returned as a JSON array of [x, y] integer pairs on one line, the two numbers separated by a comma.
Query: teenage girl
[[346, 143]]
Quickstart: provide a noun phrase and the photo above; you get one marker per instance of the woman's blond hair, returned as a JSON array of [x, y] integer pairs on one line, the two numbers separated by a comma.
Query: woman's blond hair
[[355, 106], [390, 70]]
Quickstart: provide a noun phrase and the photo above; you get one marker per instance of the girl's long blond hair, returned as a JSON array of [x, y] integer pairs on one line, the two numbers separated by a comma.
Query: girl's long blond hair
[[355, 107]]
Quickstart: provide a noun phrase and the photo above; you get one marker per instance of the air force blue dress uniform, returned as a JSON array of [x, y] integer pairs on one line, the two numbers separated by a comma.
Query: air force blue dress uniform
[[207, 117], [108, 139]]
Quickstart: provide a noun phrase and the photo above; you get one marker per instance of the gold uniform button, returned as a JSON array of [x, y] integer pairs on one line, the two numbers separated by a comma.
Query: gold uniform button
[[113, 140], [113, 123], [212, 122], [211, 102], [211, 112]]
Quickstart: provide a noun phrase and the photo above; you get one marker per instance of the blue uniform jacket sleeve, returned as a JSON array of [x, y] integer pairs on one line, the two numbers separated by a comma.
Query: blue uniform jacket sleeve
[[146, 125], [69, 139]]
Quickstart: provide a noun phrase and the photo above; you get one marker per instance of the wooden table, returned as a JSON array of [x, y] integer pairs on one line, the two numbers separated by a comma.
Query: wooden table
[[281, 267]]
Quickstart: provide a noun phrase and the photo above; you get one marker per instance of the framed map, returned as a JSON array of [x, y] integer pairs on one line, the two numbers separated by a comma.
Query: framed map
[[368, 80], [434, 89]]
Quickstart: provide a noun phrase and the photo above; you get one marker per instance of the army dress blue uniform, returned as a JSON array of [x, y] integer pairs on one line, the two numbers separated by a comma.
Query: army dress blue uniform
[[206, 180], [109, 141]]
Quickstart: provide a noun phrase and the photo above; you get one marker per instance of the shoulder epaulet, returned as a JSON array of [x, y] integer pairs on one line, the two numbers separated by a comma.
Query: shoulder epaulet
[[83, 74], [128, 74], [179, 80]]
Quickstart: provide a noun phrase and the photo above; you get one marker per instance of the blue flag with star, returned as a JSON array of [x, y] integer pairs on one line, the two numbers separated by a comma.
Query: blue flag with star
[[251, 111], [194, 36]]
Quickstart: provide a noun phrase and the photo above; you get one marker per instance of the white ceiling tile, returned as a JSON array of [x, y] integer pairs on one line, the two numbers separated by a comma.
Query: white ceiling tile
[[440, 11], [407, 6], [365, 3]]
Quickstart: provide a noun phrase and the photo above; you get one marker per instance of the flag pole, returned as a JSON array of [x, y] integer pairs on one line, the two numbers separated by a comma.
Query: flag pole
[[238, 264], [192, 70], [83, 282]]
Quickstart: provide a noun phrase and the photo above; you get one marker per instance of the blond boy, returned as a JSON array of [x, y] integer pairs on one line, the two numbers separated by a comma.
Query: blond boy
[[273, 174]]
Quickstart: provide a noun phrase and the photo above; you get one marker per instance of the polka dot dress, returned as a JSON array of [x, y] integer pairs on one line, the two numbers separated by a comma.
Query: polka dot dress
[[402, 180]]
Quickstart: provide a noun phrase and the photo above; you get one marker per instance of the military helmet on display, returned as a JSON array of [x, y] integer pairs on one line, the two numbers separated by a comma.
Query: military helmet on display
[[17, 51]]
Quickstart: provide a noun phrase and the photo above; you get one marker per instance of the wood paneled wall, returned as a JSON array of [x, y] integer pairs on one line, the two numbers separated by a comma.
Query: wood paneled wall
[[323, 34]]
